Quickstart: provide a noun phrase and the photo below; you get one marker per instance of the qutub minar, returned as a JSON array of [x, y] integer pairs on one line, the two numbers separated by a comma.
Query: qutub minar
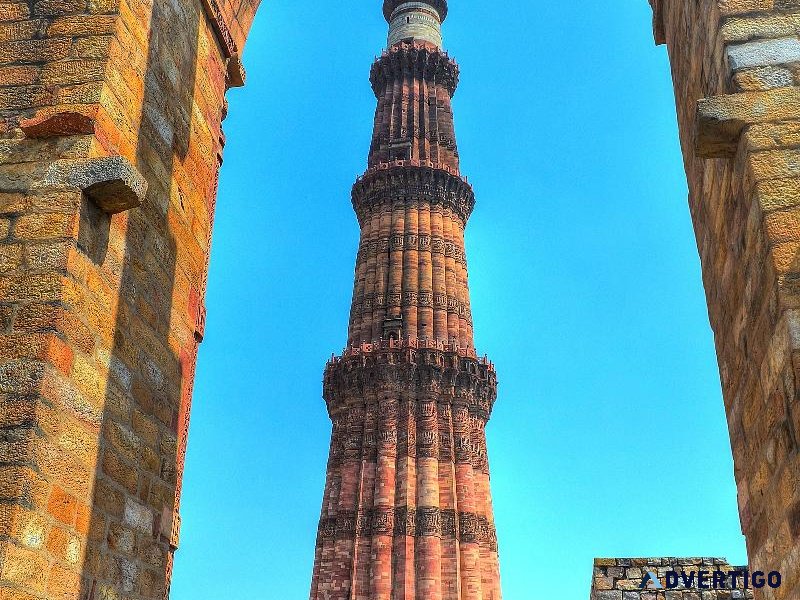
[[407, 510]]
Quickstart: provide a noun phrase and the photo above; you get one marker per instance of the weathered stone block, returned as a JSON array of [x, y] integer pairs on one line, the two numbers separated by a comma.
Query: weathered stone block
[[53, 8], [62, 506], [33, 51], [764, 78], [742, 29], [738, 7], [764, 52], [609, 595], [44, 226], [113, 183], [18, 30], [721, 119], [23, 567], [19, 75], [54, 123], [80, 25], [138, 516]]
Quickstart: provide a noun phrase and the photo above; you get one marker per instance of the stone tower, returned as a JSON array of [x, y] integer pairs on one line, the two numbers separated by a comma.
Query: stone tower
[[407, 510]]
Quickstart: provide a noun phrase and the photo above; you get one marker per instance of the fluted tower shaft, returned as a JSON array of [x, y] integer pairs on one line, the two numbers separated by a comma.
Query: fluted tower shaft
[[407, 511]]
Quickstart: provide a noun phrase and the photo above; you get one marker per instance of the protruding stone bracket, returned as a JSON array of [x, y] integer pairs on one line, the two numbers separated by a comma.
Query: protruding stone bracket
[[721, 119], [659, 31], [167, 526], [112, 182], [236, 75]]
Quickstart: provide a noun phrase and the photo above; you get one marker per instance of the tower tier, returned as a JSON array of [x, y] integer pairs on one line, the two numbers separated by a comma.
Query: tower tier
[[411, 268], [407, 511]]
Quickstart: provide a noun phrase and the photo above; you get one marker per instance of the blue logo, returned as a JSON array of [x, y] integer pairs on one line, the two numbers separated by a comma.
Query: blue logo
[[649, 578]]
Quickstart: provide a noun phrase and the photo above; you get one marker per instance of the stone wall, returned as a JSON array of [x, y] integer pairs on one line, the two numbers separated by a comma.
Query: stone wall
[[110, 145], [735, 66], [621, 579]]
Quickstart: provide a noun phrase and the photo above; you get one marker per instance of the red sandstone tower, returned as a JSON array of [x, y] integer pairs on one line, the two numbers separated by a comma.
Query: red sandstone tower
[[407, 511]]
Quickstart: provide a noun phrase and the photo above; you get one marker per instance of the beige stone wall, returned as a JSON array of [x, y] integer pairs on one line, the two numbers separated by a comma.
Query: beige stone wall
[[735, 68], [110, 143], [621, 579]]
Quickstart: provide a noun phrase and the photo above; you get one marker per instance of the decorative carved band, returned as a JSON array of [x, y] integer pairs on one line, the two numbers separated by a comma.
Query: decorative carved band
[[395, 369], [420, 61], [422, 243], [401, 182], [422, 521]]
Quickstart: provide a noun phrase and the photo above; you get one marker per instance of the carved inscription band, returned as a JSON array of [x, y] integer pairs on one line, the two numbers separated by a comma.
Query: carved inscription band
[[410, 241], [421, 521]]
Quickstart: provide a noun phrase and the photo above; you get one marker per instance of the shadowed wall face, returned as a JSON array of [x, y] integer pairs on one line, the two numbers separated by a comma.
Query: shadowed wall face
[[110, 145], [741, 60]]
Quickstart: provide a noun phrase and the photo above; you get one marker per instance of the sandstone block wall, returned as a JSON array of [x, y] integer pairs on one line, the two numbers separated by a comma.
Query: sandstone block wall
[[621, 579], [110, 145], [735, 66]]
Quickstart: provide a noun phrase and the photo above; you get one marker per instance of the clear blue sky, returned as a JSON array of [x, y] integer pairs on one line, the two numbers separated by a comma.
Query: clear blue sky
[[608, 437]]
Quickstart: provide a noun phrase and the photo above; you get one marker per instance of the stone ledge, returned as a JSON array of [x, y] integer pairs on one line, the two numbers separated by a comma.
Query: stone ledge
[[112, 182], [721, 119], [412, 180]]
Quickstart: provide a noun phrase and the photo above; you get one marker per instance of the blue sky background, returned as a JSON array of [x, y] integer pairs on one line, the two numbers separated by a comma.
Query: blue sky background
[[608, 438]]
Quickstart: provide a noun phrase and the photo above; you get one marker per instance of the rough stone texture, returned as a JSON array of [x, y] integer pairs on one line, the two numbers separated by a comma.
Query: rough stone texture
[[764, 53], [740, 145], [111, 182], [105, 106], [621, 579], [407, 510], [48, 124]]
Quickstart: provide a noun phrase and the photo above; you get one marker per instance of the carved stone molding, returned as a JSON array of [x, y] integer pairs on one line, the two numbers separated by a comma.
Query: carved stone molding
[[402, 371], [422, 521], [412, 183], [346, 526], [422, 61], [412, 521]]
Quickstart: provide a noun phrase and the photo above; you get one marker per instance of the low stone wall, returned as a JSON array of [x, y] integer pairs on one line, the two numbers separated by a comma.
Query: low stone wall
[[621, 579]]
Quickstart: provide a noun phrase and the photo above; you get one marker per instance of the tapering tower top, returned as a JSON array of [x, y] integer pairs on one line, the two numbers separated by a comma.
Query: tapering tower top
[[415, 20]]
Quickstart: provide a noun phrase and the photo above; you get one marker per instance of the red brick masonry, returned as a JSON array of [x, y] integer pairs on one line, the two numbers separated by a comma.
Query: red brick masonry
[[407, 510]]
